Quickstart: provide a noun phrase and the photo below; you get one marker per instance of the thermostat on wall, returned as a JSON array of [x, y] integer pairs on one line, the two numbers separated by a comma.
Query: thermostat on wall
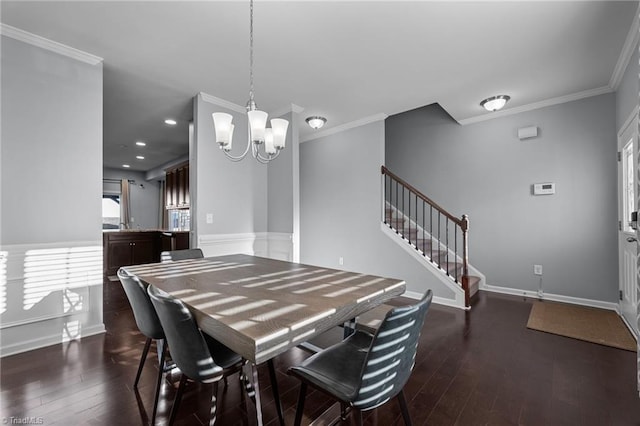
[[547, 188]]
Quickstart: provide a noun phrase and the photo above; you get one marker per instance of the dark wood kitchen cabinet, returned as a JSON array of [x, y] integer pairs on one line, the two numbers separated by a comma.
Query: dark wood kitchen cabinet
[[177, 187], [178, 240], [129, 248]]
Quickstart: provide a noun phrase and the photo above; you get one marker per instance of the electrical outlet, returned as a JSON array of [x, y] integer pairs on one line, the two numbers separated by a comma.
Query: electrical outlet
[[209, 217], [537, 269], [341, 261]]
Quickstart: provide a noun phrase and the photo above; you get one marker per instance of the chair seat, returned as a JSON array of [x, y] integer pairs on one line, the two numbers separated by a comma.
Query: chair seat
[[337, 369], [222, 355]]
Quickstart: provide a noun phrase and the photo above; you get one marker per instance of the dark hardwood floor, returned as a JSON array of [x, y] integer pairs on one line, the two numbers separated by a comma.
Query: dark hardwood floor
[[483, 367]]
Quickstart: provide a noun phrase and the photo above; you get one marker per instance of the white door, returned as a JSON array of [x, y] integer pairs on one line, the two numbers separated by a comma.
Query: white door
[[627, 203]]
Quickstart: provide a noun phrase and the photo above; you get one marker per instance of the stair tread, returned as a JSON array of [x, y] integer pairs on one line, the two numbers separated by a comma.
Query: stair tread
[[425, 244]]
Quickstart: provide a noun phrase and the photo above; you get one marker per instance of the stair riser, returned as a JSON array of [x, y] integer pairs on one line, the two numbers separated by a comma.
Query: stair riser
[[430, 249]]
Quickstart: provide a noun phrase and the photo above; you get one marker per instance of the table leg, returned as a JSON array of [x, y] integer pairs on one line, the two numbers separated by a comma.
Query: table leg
[[253, 388], [276, 393]]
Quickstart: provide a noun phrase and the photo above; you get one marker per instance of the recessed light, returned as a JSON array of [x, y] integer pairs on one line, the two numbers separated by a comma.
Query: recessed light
[[140, 143], [495, 103], [126, 166], [139, 157], [170, 122]]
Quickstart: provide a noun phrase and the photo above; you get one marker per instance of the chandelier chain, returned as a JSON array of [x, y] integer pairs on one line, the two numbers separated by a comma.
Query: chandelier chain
[[272, 138], [251, 102]]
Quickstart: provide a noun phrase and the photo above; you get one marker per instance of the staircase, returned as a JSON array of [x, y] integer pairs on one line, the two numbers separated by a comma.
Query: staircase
[[438, 236]]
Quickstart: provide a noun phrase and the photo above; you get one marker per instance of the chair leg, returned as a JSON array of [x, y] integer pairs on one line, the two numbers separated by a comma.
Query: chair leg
[[143, 358], [344, 411], [349, 327], [358, 416], [162, 351], [214, 405], [403, 407], [276, 393], [300, 407], [176, 402]]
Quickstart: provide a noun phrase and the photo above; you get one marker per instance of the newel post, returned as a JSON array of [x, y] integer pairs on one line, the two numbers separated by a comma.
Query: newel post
[[464, 225]]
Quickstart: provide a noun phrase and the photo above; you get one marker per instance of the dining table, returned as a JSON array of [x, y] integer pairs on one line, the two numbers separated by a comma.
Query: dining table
[[261, 307]]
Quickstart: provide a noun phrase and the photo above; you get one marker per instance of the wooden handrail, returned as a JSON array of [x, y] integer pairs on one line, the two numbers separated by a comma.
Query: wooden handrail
[[420, 195], [460, 276]]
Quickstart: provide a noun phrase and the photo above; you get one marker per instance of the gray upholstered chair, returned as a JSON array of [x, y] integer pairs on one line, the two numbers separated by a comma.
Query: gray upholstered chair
[[197, 355], [171, 256], [366, 370], [149, 325]]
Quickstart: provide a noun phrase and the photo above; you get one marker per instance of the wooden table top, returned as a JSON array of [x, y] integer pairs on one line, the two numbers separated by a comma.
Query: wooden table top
[[262, 307]]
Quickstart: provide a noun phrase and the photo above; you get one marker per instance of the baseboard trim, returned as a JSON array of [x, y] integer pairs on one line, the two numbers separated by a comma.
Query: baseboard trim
[[416, 295], [552, 297], [42, 342]]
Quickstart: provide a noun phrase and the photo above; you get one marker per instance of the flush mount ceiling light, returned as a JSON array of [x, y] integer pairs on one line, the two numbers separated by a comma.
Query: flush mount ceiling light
[[170, 122], [495, 103], [140, 143], [272, 138], [316, 122]]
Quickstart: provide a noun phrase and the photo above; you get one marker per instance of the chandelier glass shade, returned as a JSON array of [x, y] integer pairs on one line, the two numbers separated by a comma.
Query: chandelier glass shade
[[271, 139]]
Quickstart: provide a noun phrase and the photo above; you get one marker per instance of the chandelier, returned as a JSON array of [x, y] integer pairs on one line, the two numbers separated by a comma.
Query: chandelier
[[271, 139]]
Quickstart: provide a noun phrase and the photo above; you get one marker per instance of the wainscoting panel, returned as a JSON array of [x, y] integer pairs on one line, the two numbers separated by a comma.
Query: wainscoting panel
[[49, 293], [274, 245]]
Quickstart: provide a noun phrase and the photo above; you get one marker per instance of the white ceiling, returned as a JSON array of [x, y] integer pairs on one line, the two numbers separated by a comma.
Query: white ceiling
[[342, 60]]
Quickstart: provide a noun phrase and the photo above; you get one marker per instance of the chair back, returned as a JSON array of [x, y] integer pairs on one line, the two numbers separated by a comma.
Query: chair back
[[172, 256], [391, 355], [143, 311], [188, 348]]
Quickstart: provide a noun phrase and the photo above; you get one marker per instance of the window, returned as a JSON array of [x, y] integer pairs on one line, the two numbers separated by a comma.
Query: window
[[111, 211], [628, 185]]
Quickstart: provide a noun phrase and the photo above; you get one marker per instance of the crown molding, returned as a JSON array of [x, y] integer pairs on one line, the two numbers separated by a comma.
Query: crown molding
[[345, 126], [53, 46], [222, 102], [239, 108], [537, 105], [296, 109], [630, 44]]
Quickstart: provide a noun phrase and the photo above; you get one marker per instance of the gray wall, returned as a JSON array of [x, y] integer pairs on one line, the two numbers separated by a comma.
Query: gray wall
[[51, 185], [280, 186], [145, 197], [51, 146], [627, 93], [235, 193], [485, 171], [340, 209]]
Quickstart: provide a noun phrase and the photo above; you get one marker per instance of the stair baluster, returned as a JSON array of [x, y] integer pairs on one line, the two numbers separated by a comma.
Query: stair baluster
[[446, 253]]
